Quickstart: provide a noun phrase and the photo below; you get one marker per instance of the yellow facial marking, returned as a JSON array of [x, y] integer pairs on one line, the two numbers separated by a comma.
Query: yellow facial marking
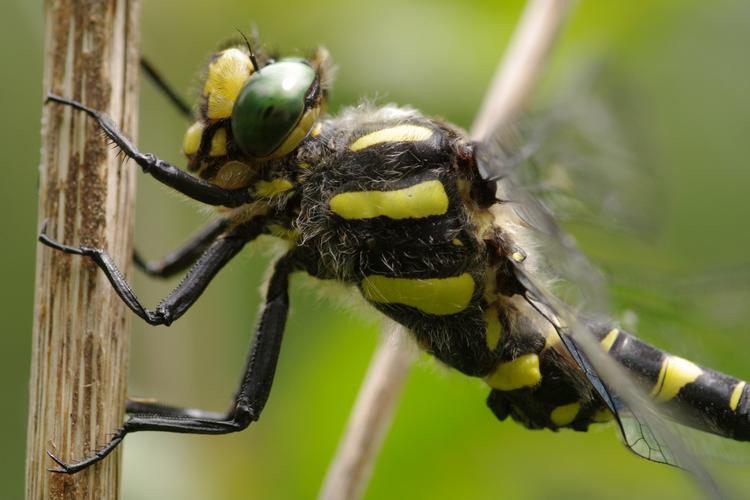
[[438, 296], [494, 329], [609, 339], [192, 140], [300, 132], [734, 401], [520, 372], [316, 130], [675, 373], [226, 76], [219, 143], [565, 414], [399, 133], [420, 200], [267, 189]]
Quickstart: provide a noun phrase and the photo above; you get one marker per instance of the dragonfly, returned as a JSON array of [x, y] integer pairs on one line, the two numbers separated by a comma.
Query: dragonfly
[[433, 231]]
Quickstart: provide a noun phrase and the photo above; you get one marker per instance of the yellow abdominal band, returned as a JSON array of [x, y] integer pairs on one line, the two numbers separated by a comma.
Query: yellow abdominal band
[[675, 374]]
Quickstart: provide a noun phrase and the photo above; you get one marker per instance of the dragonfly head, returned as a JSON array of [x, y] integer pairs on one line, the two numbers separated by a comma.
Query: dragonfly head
[[277, 107]]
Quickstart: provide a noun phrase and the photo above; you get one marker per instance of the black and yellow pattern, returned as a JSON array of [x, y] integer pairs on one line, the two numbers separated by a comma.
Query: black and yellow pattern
[[399, 207], [697, 396], [391, 202]]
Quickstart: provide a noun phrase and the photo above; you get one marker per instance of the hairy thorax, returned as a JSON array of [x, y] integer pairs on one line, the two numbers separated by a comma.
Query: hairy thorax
[[385, 206]]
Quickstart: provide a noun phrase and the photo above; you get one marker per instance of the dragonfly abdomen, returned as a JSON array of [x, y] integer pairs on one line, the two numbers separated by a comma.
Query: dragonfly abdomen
[[694, 395]]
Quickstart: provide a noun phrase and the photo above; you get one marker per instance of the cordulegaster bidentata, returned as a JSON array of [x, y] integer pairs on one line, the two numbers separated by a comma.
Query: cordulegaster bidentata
[[353, 222]]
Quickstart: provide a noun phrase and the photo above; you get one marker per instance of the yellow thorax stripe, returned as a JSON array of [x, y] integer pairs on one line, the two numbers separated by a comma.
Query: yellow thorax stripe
[[675, 373], [420, 200], [439, 296], [399, 133]]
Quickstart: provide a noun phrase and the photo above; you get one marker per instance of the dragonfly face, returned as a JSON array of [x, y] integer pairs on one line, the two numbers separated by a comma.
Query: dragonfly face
[[273, 189]]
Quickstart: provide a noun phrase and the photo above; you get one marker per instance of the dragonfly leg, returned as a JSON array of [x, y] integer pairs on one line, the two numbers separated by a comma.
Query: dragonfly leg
[[249, 400]]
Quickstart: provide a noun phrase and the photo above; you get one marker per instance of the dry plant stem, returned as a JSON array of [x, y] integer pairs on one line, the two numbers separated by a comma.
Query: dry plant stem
[[507, 96], [80, 340], [519, 71], [372, 413]]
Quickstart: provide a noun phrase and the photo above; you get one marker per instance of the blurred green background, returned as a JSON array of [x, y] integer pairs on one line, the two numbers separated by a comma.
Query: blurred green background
[[686, 63]]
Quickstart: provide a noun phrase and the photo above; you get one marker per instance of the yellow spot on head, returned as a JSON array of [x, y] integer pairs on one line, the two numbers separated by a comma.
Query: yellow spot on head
[[192, 140], [609, 339], [267, 189], [515, 374], [219, 143], [494, 329], [420, 200], [438, 296], [734, 401], [399, 133], [565, 414], [226, 76], [675, 374]]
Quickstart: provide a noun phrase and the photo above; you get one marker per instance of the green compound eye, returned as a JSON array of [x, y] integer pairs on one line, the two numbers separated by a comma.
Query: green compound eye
[[270, 107]]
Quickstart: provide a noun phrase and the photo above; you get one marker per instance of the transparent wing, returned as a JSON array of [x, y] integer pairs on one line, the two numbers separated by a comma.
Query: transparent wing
[[555, 275], [577, 159]]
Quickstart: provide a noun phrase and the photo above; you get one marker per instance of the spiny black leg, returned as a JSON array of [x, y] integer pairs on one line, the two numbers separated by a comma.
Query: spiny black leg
[[182, 258], [251, 396], [140, 407], [190, 288], [164, 172], [168, 91]]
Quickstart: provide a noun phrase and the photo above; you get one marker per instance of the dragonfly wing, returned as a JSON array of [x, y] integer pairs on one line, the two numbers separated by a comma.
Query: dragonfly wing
[[541, 253]]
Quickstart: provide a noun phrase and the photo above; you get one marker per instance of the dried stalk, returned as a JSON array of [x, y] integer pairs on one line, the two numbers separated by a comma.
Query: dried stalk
[[370, 418], [507, 96], [80, 343]]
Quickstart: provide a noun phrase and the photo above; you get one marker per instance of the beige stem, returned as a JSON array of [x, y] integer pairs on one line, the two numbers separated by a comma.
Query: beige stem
[[80, 339]]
